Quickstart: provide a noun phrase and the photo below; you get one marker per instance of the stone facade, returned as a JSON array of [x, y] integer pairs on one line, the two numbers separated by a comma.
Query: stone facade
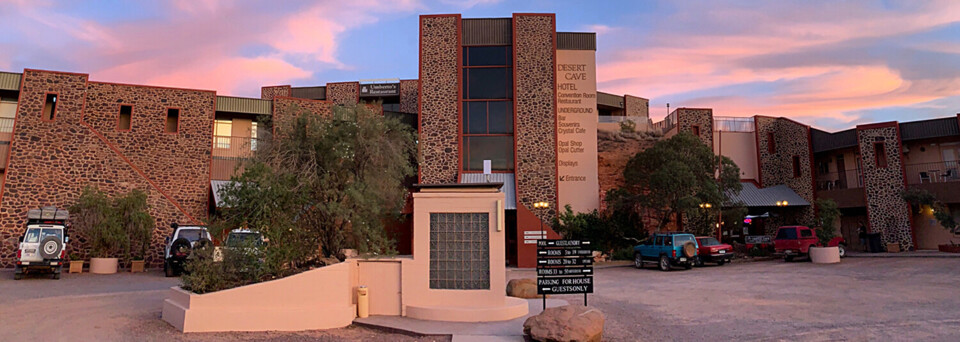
[[440, 103], [284, 108], [888, 213], [409, 95], [51, 161], [688, 118], [269, 93], [790, 139], [636, 106], [536, 155], [343, 93]]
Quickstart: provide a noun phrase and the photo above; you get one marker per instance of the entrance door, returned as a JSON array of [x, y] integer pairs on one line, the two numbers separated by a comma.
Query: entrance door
[[382, 279], [510, 220]]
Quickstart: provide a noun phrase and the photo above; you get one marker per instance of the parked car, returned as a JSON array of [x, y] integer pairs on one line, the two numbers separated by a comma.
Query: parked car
[[795, 241], [712, 250], [43, 245], [183, 242], [239, 238], [667, 250]]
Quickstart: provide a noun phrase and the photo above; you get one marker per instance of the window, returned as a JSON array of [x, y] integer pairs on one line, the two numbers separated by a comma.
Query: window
[[126, 114], [771, 144], [695, 130], [682, 239], [880, 154], [487, 113], [253, 136], [459, 251], [787, 234], [221, 132], [49, 108], [173, 120], [796, 167], [805, 233]]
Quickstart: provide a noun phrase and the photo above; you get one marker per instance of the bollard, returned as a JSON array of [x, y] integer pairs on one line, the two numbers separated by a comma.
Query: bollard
[[363, 302]]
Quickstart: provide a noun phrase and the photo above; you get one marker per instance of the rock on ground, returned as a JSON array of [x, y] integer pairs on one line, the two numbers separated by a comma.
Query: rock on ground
[[522, 288], [566, 323]]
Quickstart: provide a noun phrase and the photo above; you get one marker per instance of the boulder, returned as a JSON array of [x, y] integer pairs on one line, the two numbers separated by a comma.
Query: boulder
[[566, 323], [522, 288]]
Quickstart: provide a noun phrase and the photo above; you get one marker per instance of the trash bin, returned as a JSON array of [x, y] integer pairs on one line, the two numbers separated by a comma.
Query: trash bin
[[874, 243], [363, 302]]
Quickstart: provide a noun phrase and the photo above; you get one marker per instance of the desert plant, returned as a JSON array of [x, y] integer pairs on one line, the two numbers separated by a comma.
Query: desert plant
[[133, 215], [628, 126], [94, 216], [827, 215], [608, 232]]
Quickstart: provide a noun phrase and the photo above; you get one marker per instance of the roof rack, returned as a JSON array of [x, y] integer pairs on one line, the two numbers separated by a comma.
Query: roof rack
[[48, 213]]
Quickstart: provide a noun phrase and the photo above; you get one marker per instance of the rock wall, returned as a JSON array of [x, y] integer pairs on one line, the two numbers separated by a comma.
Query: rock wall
[[888, 213], [440, 99]]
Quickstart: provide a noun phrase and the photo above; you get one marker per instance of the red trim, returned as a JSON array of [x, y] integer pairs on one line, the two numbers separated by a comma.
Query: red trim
[[13, 138], [756, 136], [556, 119], [516, 178], [460, 94], [167, 116], [419, 97], [120, 112], [56, 106]]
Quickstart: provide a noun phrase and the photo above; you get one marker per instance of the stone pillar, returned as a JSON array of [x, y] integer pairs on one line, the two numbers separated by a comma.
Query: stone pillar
[[440, 99], [887, 212]]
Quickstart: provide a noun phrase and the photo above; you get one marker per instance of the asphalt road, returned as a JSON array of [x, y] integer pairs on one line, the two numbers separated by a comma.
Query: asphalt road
[[857, 300]]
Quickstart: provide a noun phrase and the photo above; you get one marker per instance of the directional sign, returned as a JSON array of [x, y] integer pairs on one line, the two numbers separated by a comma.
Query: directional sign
[[563, 243], [564, 271], [565, 285], [564, 252], [578, 261]]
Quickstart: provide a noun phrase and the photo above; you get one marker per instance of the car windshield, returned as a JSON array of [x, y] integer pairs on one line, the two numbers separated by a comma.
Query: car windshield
[[679, 240], [236, 239], [708, 241], [33, 235], [787, 234], [191, 235]]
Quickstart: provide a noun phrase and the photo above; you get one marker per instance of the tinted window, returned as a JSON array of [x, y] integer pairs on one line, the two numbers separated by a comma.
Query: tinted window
[[682, 239], [474, 117], [489, 83], [787, 234], [486, 55], [497, 149], [488, 117], [668, 240], [708, 241], [33, 236], [191, 234], [659, 241], [806, 233]]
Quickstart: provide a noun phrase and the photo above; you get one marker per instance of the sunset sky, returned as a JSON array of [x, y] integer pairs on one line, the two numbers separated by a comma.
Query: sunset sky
[[832, 64]]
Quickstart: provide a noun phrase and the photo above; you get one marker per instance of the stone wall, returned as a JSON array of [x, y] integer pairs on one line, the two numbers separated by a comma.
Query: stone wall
[[636, 106], [536, 155], [687, 118], [888, 213], [790, 139], [284, 108], [52, 161], [440, 99], [409, 95], [343, 93], [269, 93]]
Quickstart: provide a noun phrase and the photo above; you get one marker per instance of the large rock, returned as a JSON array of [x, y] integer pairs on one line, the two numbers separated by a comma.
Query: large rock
[[566, 323], [522, 288]]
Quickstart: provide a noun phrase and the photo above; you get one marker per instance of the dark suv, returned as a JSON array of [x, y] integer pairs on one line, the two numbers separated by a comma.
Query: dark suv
[[667, 249]]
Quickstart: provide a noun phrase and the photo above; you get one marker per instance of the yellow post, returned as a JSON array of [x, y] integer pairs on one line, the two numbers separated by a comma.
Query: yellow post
[[363, 302]]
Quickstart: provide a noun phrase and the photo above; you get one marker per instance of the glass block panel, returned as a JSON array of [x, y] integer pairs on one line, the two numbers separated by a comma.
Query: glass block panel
[[459, 251]]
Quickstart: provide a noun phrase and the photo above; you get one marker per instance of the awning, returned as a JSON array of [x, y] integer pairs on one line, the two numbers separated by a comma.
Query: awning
[[215, 186], [508, 189], [751, 196]]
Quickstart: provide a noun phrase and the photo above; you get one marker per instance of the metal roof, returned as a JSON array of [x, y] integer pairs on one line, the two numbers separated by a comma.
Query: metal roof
[[823, 141], [244, 105], [607, 99], [487, 31], [10, 80], [577, 41], [933, 128], [508, 189], [751, 196], [310, 93]]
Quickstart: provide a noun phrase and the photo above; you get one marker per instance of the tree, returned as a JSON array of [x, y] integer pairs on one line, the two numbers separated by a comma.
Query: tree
[[94, 216], [324, 182], [675, 177], [827, 215], [133, 216], [917, 198], [607, 231]]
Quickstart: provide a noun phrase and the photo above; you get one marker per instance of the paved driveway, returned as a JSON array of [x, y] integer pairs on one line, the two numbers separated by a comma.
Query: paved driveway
[[857, 300]]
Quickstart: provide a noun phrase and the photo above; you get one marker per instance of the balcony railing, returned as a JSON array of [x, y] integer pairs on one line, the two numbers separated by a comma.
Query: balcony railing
[[848, 179], [668, 123], [6, 129], [937, 172], [228, 154], [733, 124]]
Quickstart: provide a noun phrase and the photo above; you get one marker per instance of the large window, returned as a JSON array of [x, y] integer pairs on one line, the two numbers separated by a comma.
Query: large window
[[222, 130], [459, 251], [487, 121]]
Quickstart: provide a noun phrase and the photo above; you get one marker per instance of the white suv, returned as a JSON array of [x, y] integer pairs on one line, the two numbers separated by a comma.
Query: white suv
[[179, 246], [43, 246]]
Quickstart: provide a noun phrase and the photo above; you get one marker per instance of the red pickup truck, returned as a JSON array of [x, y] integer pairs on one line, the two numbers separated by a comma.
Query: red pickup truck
[[795, 241]]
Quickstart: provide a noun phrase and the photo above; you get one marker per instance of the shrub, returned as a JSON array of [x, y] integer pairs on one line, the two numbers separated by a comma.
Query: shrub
[[94, 215], [827, 216], [606, 232]]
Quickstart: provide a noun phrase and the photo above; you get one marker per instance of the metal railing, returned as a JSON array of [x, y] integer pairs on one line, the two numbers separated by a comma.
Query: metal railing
[[733, 124], [620, 118], [847, 179], [234, 147], [936, 172], [668, 123], [6, 129]]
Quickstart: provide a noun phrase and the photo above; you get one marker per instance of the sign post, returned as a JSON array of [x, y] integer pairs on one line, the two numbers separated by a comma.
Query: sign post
[[564, 267]]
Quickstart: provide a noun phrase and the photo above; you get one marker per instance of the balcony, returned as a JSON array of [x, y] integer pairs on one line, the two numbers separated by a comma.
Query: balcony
[[6, 134], [228, 154], [844, 187], [937, 172]]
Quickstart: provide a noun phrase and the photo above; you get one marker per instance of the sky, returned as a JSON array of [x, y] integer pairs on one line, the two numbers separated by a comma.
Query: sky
[[831, 64]]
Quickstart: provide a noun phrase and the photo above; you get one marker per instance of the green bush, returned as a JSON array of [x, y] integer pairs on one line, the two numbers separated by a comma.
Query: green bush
[[827, 214], [607, 232], [625, 253]]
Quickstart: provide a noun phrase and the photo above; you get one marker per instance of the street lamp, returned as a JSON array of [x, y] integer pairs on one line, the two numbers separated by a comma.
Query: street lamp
[[706, 205], [542, 205]]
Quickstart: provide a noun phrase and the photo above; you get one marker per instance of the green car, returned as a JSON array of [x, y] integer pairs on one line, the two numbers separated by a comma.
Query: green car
[[667, 250]]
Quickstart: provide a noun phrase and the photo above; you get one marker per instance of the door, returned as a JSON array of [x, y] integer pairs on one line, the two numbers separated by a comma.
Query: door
[[841, 173], [382, 279], [806, 239]]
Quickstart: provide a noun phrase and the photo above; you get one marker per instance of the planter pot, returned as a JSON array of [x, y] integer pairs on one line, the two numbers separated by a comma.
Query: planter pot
[[949, 248], [136, 266], [76, 266], [103, 265], [825, 255], [893, 248]]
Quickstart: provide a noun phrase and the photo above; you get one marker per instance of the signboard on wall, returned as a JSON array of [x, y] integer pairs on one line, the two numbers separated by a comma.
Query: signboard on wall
[[379, 89], [578, 185]]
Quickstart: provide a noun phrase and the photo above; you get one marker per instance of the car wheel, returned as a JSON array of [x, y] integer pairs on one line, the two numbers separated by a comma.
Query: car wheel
[[788, 258], [721, 262], [697, 261], [637, 260], [56, 276], [664, 263], [843, 250], [167, 270]]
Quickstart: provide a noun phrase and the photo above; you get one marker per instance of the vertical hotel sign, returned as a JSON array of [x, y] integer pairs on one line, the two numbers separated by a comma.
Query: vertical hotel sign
[[577, 130]]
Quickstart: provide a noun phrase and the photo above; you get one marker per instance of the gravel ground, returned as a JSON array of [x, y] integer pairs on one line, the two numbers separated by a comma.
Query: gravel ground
[[124, 307], [857, 300]]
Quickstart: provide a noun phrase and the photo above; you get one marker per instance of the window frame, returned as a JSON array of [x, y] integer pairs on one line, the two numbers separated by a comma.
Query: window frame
[[797, 170], [166, 116], [771, 143], [695, 129], [56, 106], [880, 154], [464, 100], [120, 113]]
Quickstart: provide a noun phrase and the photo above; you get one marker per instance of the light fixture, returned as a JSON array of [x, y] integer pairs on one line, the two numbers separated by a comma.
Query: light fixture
[[706, 205], [782, 203], [541, 205]]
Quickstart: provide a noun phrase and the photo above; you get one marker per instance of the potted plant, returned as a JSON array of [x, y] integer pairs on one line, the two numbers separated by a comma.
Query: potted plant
[[131, 210], [76, 264], [828, 214], [96, 218]]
